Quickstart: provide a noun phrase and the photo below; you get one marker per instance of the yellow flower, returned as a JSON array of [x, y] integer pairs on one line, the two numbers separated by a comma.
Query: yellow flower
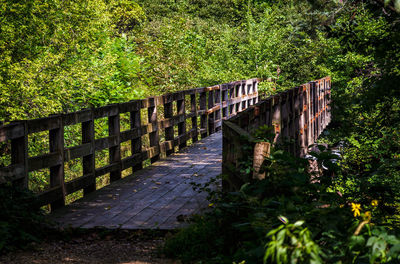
[[211, 205], [374, 203], [356, 208]]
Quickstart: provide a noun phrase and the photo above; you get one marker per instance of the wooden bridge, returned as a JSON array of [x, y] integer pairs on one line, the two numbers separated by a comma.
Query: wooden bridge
[[150, 168]]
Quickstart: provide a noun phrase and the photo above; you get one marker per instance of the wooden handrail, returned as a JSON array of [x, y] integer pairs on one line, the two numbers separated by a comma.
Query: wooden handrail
[[299, 115], [203, 108]]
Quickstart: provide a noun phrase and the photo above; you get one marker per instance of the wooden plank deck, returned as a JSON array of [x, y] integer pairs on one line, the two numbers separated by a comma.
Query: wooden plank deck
[[153, 198]]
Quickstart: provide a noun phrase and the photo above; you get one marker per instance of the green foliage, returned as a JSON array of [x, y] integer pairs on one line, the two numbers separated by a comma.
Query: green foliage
[[21, 220], [292, 243], [59, 56], [330, 230]]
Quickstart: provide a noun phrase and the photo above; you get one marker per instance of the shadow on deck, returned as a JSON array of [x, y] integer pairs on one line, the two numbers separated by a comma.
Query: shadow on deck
[[156, 197]]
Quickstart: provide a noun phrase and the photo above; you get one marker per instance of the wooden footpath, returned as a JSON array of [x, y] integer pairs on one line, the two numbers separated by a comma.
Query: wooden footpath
[[159, 196], [151, 131]]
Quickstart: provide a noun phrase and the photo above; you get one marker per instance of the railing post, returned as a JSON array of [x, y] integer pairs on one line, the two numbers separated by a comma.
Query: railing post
[[225, 98], [244, 93], [203, 117], [211, 116], [88, 162], [232, 105], [292, 120], [136, 144], [56, 144], [168, 114], [276, 118], [217, 116], [152, 119], [181, 125], [115, 151], [255, 90], [19, 155], [308, 115], [193, 109]]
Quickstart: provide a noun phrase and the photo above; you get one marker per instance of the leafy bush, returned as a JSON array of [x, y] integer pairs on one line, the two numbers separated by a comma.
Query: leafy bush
[[328, 227], [21, 220]]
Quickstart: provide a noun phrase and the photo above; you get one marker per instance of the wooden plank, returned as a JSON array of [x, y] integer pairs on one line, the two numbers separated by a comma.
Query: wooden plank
[[151, 152], [107, 142], [167, 145], [211, 114], [19, 153], [44, 161], [131, 134], [84, 182], [203, 116], [114, 151], [217, 116], [105, 111], [52, 196], [181, 125], [131, 161], [151, 102], [169, 130], [181, 139], [12, 131], [78, 151], [276, 118], [56, 145], [136, 143], [193, 109], [108, 169], [261, 151], [77, 117], [190, 91], [43, 124], [88, 161], [153, 136], [130, 106]]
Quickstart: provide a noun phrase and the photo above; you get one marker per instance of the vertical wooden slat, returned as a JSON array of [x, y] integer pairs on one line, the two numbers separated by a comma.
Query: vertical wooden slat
[[309, 114], [115, 152], [211, 124], [249, 90], [291, 121], [217, 101], [203, 117], [193, 109], [19, 155], [232, 106], [255, 89], [169, 131], [56, 144], [276, 118], [136, 143], [182, 125], [244, 93], [224, 100], [153, 136], [305, 117], [88, 162]]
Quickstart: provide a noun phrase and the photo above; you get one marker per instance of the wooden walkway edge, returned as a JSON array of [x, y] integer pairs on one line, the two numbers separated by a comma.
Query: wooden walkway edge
[[157, 197]]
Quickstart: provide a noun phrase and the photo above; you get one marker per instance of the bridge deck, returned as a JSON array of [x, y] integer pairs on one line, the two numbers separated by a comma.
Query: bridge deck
[[159, 196]]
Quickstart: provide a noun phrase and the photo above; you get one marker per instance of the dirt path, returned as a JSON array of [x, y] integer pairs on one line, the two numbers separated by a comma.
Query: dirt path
[[94, 247]]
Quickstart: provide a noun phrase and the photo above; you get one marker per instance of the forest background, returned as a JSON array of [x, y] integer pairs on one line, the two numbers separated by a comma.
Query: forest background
[[61, 56]]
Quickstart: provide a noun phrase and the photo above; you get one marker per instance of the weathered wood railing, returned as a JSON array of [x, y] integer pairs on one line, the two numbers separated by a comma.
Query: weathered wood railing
[[202, 108], [299, 114]]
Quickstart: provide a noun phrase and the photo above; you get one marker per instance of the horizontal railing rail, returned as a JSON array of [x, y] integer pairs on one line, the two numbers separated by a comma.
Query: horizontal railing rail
[[299, 115], [203, 109]]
